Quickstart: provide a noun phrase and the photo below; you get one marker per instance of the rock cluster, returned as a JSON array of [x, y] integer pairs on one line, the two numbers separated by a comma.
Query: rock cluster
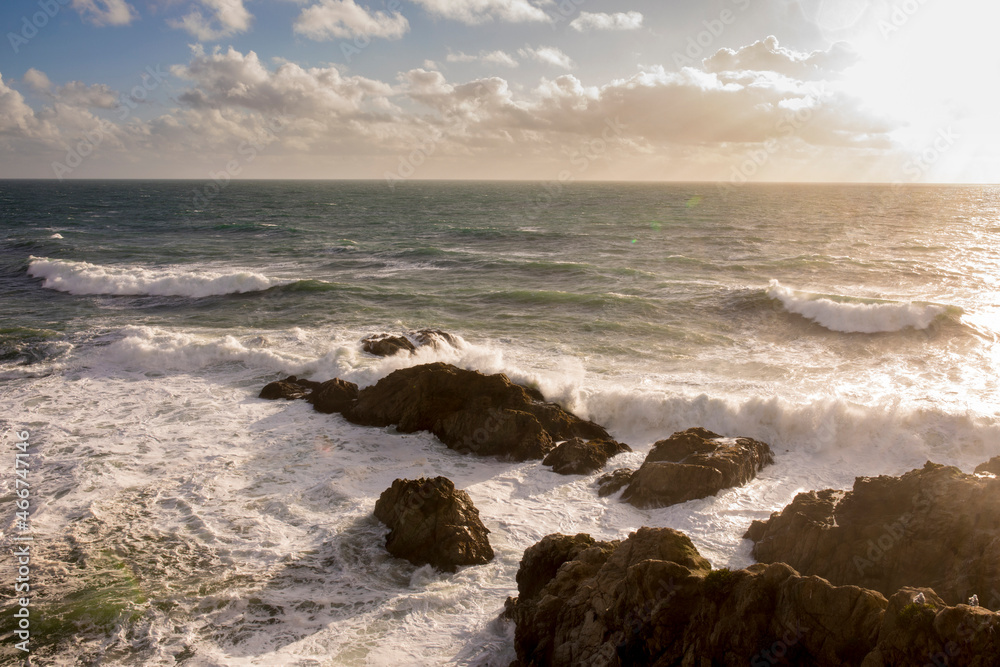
[[387, 345], [582, 457]]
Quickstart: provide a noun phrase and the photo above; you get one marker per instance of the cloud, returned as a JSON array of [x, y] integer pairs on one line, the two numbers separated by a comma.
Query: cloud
[[475, 12], [490, 57], [345, 19], [230, 17], [767, 55], [105, 12], [548, 55], [587, 21], [37, 81]]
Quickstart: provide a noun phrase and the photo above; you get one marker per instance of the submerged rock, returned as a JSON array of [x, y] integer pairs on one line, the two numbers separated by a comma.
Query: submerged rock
[[386, 345], [432, 523], [653, 600], [934, 527], [470, 412], [582, 457], [695, 463], [614, 481], [290, 388]]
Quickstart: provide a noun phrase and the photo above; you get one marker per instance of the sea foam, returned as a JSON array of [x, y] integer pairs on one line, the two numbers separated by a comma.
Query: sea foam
[[126, 280], [856, 317]]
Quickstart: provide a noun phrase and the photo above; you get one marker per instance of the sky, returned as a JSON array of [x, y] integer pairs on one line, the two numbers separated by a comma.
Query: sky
[[732, 91]]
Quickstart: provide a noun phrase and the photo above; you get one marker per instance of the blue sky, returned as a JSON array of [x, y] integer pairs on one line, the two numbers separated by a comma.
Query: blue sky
[[727, 90]]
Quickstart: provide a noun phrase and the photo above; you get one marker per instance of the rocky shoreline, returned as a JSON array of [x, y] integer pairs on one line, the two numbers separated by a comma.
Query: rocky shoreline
[[897, 571]]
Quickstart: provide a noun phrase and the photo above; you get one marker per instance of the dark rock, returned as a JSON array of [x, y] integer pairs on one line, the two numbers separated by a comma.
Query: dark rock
[[434, 337], [934, 527], [695, 464], [471, 412], [614, 481], [386, 345], [290, 388], [433, 523], [334, 396], [992, 466], [652, 600], [582, 457]]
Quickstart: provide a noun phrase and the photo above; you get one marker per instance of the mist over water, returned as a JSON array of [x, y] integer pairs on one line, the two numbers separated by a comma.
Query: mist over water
[[854, 328]]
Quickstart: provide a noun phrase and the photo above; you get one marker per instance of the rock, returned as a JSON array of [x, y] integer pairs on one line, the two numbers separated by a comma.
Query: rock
[[470, 412], [614, 481], [386, 345], [695, 464], [934, 527], [653, 599], [334, 396], [290, 388], [992, 466], [582, 457], [432, 523], [434, 337]]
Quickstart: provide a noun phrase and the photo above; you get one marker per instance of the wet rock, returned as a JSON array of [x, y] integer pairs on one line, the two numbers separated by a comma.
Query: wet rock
[[614, 481], [434, 337], [695, 464], [935, 527], [992, 466], [432, 523], [386, 345], [290, 388], [582, 457], [334, 396], [470, 412]]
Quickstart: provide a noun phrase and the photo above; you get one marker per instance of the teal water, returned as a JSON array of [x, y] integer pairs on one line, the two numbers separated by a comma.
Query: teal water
[[852, 327]]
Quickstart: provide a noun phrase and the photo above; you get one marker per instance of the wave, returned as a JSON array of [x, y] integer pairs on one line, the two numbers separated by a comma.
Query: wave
[[85, 278], [856, 316]]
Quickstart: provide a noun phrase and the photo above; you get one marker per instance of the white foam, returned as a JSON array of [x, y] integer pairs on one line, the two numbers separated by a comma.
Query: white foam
[[56, 236], [848, 317], [86, 278]]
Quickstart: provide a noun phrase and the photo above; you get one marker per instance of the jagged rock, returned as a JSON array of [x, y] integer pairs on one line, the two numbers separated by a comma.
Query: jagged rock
[[386, 345], [934, 527], [582, 457], [992, 466], [432, 523], [433, 337], [470, 412], [614, 481], [695, 464], [652, 600], [290, 388], [334, 396]]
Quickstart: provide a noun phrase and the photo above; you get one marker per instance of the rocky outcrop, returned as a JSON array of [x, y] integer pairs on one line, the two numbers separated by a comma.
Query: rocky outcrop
[[653, 600], [992, 466], [614, 481], [333, 396], [387, 345], [582, 457], [290, 388], [695, 463], [470, 412], [934, 527], [430, 522]]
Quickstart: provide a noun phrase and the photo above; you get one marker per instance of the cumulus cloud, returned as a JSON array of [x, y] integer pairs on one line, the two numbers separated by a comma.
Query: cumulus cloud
[[768, 55], [475, 12], [105, 12], [37, 81], [344, 18], [548, 55], [227, 18], [489, 57], [587, 21]]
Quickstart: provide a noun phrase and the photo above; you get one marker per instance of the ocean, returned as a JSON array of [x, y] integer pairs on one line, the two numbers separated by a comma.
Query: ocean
[[177, 518]]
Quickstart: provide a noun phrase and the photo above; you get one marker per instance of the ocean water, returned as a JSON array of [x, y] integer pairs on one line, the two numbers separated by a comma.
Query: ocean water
[[179, 519]]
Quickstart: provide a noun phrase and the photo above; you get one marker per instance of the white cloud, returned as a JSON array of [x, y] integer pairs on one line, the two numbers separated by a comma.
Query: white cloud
[[37, 81], [105, 12], [490, 57], [767, 55], [229, 17], [475, 12], [344, 18], [587, 21], [549, 55]]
